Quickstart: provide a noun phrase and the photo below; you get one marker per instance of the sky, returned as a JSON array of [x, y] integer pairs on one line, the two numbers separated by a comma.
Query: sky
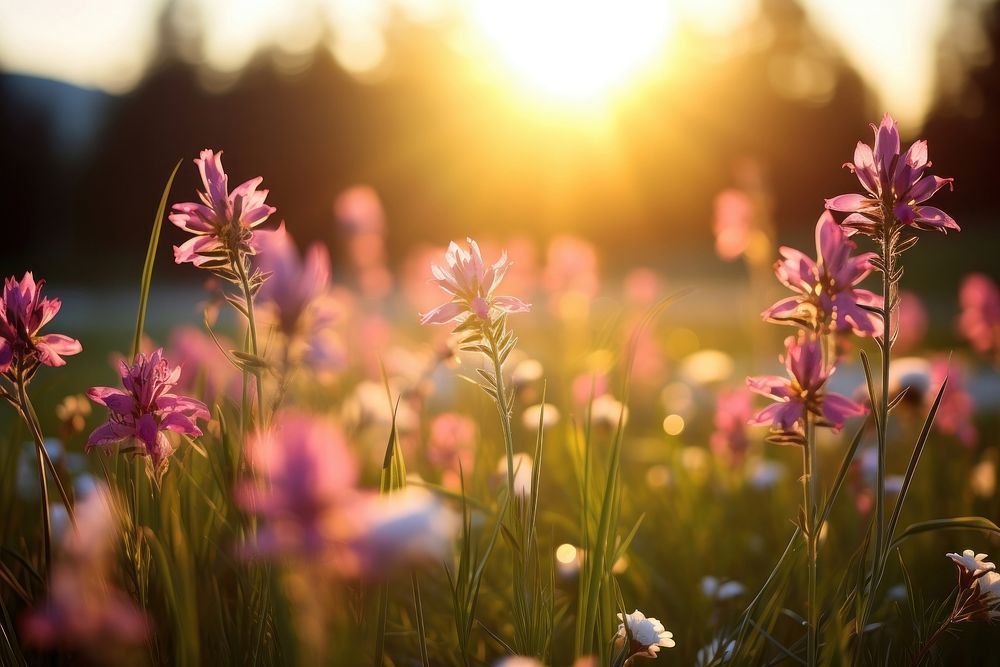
[[545, 46]]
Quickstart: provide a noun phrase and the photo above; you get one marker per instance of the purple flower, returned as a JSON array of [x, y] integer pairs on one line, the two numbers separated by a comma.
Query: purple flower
[[146, 409], [895, 184], [292, 284], [23, 312], [83, 611], [801, 392], [732, 411], [827, 298], [980, 317], [307, 475], [956, 412], [297, 295], [472, 284], [224, 221]]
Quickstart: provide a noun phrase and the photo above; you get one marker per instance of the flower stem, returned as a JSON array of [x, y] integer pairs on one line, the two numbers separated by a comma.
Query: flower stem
[[502, 408], [241, 270], [883, 407], [809, 499]]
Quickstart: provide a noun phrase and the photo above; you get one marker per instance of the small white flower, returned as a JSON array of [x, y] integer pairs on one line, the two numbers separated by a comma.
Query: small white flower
[[721, 590], [606, 410], [648, 635], [526, 372], [989, 585], [714, 653], [973, 563], [533, 413], [523, 469]]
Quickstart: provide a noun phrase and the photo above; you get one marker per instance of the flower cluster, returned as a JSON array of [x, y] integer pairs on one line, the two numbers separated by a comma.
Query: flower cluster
[[978, 587], [895, 185], [83, 611], [146, 409], [312, 509], [23, 313], [827, 301]]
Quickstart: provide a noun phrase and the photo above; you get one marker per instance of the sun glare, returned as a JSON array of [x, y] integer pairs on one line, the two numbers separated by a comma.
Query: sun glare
[[575, 51]]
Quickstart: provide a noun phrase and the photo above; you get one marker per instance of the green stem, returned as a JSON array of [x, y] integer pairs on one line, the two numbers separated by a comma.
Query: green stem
[[36, 431], [505, 425], [43, 484], [241, 270], [809, 498], [883, 406], [888, 252]]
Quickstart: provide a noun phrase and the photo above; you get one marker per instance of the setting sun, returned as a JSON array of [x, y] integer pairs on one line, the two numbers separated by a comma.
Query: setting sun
[[571, 51]]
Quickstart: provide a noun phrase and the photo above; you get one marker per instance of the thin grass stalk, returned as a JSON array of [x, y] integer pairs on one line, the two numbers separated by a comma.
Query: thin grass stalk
[[22, 398], [147, 268]]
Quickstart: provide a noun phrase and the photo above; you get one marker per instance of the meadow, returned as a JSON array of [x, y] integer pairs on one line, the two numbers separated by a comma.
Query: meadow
[[497, 455]]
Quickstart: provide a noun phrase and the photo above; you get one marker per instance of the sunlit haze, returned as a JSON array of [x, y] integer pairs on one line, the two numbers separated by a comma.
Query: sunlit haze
[[571, 52]]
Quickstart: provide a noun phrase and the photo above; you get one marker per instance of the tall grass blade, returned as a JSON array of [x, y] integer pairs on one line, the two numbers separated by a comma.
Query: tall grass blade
[[147, 268]]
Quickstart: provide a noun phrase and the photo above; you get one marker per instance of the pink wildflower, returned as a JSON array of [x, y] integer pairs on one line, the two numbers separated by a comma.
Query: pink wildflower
[[452, 445], [979, 320], [205, 364], [910, 323], [224, 221], [23, 313], [957, 408], [83, 612], [733, 218], [895, 184], [359, 211], [147, 408], [472, 284], [827, 298], [732, 411], [307, 476], [802, 392]]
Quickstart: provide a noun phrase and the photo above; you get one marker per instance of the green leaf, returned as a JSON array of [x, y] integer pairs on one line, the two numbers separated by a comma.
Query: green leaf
[[911, 468], [147, 269], [955, 523]]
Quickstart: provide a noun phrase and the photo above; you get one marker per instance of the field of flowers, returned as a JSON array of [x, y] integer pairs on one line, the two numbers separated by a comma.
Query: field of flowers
[[491, 459]]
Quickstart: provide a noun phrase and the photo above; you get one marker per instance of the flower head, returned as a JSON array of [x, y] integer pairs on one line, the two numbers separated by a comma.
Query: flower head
[[307, 475], [646, 635], [972, 564], [223, 222], [895, 185], [23, 312], [83, 611], [146, 409], [297, 296], [979, 321], [802, 392], [472, 284], [729, 440], [827, 299]]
